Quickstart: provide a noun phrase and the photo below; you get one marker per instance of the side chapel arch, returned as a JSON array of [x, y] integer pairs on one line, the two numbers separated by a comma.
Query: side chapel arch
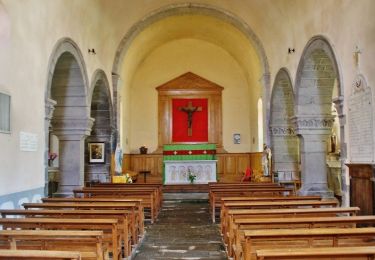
[[67, 112], [317, 74], [103, 129], [284, 142]]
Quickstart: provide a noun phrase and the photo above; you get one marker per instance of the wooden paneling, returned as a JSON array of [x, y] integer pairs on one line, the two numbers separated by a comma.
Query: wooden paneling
[[362, 187], [229, 165], [147, 162], [256, 161]]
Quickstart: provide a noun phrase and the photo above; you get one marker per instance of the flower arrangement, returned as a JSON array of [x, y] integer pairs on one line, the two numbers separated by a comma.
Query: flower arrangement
[[51, 156], [128, 178], [191, 176]]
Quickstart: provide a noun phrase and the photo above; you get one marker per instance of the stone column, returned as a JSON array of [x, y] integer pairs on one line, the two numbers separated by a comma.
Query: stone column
[[314, 131], [71, 134], [49, 108], [345, 185]]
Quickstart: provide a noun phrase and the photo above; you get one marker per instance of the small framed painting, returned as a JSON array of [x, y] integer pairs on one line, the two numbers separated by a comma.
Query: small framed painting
[[236, 138], [96, 153]]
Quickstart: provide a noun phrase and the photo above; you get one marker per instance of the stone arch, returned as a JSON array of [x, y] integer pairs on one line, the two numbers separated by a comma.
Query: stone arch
[[317, 76], [318, 69], [190, 8], [67, 112], [103, 127], [284, 142]]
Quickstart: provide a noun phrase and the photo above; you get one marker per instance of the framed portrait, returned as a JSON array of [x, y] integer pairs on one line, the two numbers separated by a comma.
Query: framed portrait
[[96, 153], [236, 138]]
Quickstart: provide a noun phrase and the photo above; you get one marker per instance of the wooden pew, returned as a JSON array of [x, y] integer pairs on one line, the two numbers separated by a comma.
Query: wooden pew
[[158, 187], [281, 213], [137, 218], [154, 190], [122, 217], [219, 204], [88, 243], [149, 199], [242, 184], [129, 206], [235, 230], [215, 195], [112, 238], [300, 238], [273, 204], [321, 253], [38, 254]]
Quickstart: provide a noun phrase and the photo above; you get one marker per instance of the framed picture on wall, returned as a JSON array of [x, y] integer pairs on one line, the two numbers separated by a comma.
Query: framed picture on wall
[[96, 152], [236, 138]]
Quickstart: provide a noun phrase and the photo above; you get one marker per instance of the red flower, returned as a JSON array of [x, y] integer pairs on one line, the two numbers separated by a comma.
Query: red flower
[[52, 156]]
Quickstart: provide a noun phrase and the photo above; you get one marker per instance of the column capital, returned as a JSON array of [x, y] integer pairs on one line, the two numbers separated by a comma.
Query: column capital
[[282, 130], [72, 128], [49, 107], [313, 124], [339, 105]]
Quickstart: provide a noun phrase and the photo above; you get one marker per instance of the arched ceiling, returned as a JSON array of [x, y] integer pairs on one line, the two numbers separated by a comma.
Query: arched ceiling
[[191, 26]]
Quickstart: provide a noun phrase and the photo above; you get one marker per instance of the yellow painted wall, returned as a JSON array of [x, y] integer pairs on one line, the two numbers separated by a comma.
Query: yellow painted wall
[[204, 59]]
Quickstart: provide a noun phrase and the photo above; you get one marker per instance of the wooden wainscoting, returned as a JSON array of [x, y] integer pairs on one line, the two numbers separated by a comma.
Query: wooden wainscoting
[[230, 166]]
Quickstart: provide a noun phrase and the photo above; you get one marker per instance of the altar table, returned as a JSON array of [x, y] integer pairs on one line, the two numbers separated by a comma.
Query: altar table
[[177, 172]]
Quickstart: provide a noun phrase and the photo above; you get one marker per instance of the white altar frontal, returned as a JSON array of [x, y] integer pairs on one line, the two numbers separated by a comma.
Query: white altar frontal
[[177, 172]]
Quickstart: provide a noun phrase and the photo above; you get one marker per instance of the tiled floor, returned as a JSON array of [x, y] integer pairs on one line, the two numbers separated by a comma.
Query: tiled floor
[[183, 230]]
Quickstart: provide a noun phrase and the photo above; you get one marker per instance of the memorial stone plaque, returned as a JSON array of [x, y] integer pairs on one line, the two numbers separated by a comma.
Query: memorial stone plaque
[[361, 122]]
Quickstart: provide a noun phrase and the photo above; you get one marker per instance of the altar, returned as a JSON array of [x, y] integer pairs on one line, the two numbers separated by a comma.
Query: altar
[[182, 160], [177, 172]]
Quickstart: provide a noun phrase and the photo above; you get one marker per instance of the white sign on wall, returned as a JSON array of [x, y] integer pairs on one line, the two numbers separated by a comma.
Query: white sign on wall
[[28, 142]]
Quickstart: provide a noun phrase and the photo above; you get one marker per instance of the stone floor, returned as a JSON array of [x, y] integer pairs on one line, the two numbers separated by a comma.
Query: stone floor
[[183, 230]]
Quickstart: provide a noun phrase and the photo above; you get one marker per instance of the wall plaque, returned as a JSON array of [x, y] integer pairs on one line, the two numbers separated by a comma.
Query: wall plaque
[[361, 121], [28, 142]]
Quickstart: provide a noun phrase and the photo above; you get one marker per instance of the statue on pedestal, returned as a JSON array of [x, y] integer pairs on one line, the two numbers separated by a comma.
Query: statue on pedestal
[[266, 160], [118, 160]]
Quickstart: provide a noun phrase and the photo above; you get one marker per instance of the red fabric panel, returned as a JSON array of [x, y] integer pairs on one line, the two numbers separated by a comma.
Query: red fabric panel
[[180, 121], [189, 152]]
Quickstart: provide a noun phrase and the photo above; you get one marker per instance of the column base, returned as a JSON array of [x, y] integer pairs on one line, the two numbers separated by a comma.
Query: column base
[[66, 190], [315, 190]]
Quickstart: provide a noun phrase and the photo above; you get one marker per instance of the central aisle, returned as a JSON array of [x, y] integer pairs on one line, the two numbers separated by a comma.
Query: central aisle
[[183, 230]]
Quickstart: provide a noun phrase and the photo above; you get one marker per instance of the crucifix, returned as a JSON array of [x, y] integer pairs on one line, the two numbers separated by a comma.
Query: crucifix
[[190, 110]]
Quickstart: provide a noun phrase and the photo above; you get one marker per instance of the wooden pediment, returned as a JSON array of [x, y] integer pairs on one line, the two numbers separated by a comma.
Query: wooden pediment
[[188, 82]]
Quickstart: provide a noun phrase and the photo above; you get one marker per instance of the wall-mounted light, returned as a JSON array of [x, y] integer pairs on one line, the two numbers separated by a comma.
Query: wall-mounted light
[[92, 51], [290, 50]]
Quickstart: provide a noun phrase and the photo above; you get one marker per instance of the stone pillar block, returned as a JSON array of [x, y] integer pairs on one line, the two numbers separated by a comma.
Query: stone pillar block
[[314, 131], [71, 134]]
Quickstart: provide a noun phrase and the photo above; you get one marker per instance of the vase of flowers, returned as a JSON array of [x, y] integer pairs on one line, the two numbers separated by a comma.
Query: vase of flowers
[[143, 149], [191, 177], [51, 156]]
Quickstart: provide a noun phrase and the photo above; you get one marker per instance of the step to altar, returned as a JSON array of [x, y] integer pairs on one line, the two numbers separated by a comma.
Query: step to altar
[[185, 188], [183, 196]]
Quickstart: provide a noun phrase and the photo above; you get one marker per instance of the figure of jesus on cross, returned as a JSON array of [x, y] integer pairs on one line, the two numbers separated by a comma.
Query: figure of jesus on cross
[[190, 110]]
